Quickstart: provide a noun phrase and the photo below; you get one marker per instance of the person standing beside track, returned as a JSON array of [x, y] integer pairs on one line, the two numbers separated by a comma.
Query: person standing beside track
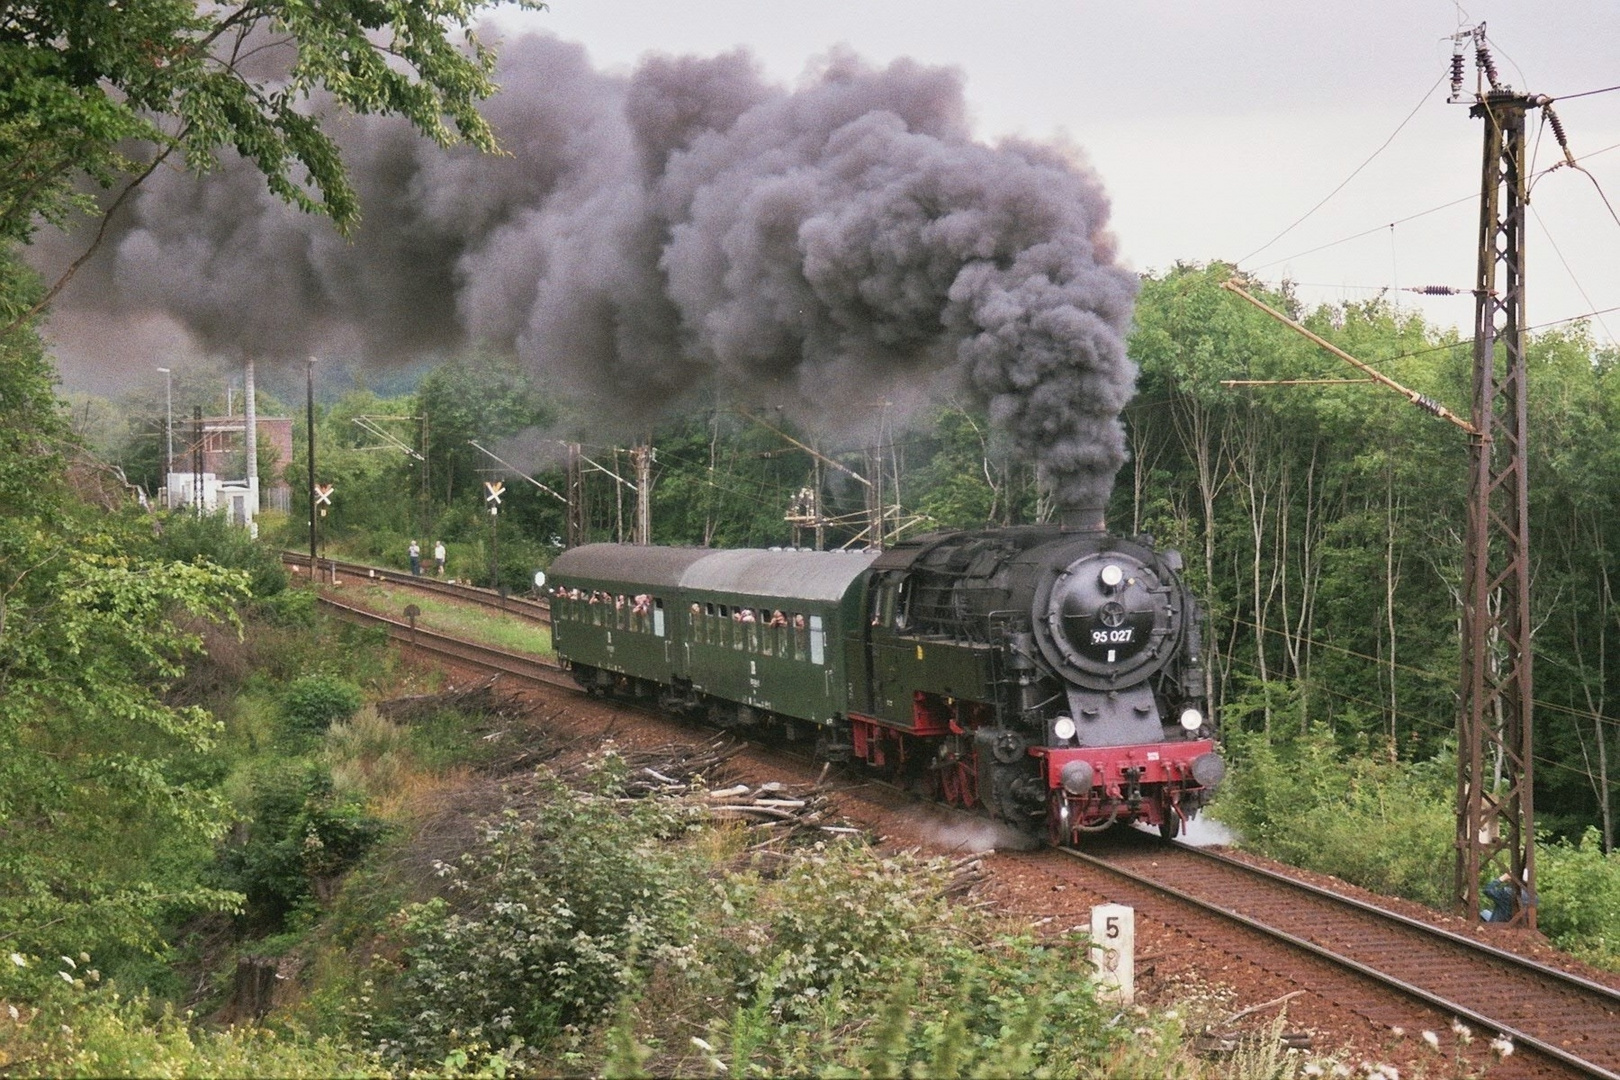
[[438, 557], [415, 552]]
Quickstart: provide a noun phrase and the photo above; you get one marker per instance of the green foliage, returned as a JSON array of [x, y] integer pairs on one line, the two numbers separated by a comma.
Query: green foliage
[[98, 775], [290, 608], [81, 83], [1385, 825], [837, 915], [313, 703], [211, 538], [593, 933], [480, 396], [75, 1031], [296, 831], [1579, 895], [555, 914]]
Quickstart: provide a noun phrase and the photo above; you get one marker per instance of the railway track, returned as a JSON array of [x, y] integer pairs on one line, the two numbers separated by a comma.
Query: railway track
[[1546, 1012], [535, 610], [1567, 1024], [429, 641]]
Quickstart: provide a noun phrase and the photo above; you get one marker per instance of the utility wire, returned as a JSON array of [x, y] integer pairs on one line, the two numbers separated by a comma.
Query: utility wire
[[1410, 217], [1543, 763], [1585, 93], [1451, 677], [1569, 269], [1357, 171]]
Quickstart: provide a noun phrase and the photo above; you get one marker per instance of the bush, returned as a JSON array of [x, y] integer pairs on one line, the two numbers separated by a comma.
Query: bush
[[290, 607], [597, 935], [297, 831], [96, 1032], [545, 923], [312, 703], [1579, 898], [188, 538], [1385, 825]]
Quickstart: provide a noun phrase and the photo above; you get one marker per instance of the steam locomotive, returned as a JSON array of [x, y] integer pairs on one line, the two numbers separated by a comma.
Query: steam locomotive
[[1049, 674]]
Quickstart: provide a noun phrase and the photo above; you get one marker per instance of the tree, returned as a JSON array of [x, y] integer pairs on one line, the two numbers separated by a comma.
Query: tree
[[103, 778], [101, 91], [97, 772]]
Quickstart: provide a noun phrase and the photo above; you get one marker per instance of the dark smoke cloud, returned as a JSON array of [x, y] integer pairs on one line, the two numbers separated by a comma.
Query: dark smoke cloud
[[688, 227]]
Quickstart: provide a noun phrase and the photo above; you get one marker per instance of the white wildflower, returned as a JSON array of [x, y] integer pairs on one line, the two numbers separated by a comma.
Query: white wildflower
[[68, 960], [1502, 1045], [1312, 1069], [12, 1009], [18, 959], [65, 977], [1464, 1034], [702, 1044], [1432, 1039], [1398, 1031]]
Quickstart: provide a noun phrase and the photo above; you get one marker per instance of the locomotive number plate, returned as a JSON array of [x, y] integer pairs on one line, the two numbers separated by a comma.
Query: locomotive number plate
[[1123, 636]]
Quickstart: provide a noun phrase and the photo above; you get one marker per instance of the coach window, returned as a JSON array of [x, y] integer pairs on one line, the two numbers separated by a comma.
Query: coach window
[[801, 636], [658, 617], [818, 641]]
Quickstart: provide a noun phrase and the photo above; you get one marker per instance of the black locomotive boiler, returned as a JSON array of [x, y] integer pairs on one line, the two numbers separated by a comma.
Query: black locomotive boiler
[[1050, 674]]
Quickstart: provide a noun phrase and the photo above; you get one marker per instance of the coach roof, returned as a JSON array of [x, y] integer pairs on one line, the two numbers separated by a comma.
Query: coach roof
[[653, 567], [784, 575]]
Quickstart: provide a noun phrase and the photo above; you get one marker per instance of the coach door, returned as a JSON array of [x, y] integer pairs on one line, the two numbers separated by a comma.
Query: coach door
[[886, 617]]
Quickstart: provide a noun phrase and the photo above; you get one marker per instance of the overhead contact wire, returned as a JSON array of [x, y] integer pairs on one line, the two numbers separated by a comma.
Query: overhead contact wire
[[1326, 198]]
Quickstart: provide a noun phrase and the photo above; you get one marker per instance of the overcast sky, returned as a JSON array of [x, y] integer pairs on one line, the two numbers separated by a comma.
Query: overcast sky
[[1217, 125]]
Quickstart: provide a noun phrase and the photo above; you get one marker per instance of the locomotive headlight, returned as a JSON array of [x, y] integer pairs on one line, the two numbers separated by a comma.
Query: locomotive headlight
[[1191, 719], [1063, 728], [1076, 777], [1112, 576]]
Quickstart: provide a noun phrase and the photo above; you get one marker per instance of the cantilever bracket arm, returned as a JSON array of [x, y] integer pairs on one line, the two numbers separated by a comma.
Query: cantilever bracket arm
[[1427, 404]]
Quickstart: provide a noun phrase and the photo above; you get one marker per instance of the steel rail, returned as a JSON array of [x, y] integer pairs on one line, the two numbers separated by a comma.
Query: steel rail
[[1523, 1038], [1579, 982], [527, 667]]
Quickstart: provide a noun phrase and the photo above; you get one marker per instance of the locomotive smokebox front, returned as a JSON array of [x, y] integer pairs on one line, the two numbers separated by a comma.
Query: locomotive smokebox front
[[1106, 617]]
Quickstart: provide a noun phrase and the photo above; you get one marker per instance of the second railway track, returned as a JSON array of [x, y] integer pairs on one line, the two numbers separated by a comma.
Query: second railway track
[[520, 606]]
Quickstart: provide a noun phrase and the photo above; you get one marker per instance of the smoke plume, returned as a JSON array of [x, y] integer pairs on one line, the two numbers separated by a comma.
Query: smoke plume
[[687, 227]]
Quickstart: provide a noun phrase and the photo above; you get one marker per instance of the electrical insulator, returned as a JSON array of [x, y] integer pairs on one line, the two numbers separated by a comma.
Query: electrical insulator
[[1433, 290], [1457, 74], [1557, 126], [1482, 56]]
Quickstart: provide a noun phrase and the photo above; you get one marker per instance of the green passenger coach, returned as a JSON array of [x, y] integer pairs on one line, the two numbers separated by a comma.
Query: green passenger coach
[[745, 636]]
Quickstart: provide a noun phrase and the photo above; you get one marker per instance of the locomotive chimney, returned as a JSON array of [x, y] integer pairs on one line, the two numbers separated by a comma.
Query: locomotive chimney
[[1081, 519]]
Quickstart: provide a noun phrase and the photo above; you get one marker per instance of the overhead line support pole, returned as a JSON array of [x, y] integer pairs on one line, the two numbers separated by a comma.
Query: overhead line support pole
[[1495, 805], [309, 427]]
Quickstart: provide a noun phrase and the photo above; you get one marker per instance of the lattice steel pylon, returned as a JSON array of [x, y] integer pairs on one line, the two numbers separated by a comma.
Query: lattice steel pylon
[[1495, 807]]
